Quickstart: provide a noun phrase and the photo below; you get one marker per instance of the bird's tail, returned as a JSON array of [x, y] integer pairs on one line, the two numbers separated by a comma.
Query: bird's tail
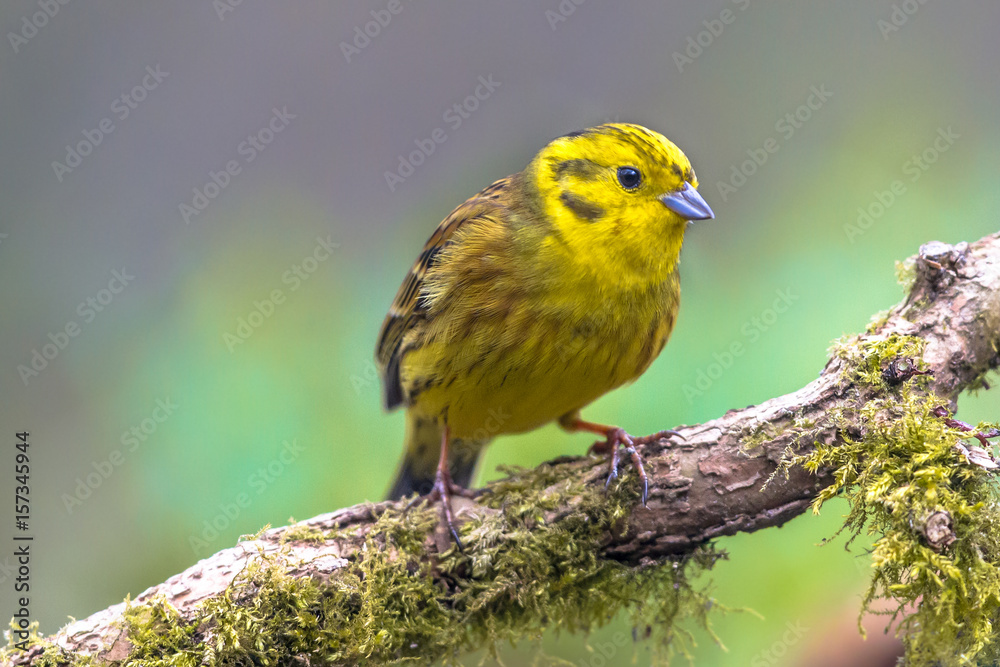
[[420, 458]]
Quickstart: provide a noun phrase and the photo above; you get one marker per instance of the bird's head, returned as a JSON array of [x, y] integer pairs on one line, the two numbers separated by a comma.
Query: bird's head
[[619, 194]]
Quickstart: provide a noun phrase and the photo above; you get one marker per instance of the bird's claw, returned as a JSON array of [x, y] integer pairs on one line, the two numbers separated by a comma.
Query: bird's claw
[[617, 442], [442, 492], [659, 435]]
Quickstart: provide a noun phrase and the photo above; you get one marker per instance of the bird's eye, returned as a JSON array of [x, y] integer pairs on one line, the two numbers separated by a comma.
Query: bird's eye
[[629, 177]]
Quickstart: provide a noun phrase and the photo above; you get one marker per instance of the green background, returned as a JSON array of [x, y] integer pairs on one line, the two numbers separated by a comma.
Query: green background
[[306, 376]]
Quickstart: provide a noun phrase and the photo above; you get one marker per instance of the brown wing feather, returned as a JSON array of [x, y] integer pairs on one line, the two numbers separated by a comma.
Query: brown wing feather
[[407, 308]]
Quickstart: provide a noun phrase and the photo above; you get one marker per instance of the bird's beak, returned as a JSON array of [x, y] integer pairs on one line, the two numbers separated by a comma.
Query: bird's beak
[[688, 204]]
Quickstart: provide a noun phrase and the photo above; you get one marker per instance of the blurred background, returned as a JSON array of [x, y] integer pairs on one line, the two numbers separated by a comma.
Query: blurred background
[[206, 209]]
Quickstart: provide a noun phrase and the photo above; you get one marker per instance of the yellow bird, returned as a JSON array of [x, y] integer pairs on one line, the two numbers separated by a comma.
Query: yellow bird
[[541, 293]]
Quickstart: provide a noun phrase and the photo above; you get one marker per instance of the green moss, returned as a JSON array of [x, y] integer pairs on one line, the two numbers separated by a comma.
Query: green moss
[[754, 436], [794, 427], [904, 469], [156, 629], [877, 321], [984, 381], [303, 532], [906, 273], [522, 573], [866, 360], [51, 655]]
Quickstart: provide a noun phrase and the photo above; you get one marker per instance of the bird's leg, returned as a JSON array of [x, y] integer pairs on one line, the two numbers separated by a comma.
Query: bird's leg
[[444, 488], [616, 440]]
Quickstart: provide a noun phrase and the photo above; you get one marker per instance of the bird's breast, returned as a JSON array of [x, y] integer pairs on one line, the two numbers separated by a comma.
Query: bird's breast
[[518, 367]]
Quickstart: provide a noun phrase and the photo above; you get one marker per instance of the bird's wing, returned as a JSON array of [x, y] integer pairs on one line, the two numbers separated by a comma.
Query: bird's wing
[[408, 308]]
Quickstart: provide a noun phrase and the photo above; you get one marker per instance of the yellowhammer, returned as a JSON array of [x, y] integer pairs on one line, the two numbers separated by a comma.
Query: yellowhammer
[[535, 297]]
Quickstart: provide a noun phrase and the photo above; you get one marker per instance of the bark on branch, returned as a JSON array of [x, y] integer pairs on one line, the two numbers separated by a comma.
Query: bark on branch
[[704, 487]]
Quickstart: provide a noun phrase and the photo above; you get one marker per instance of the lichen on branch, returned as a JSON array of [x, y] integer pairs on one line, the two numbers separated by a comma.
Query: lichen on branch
[[395, 602], [934, 512]]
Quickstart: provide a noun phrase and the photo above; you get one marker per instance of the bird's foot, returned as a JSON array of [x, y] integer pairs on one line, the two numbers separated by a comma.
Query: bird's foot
[[619, 441], [442, 492]]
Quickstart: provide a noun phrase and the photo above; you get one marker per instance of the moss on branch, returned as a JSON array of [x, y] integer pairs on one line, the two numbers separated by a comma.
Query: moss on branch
[[933, 511], [395, 602]]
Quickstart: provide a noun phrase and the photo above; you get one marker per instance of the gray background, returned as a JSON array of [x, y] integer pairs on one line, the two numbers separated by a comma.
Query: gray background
[[290, 417]]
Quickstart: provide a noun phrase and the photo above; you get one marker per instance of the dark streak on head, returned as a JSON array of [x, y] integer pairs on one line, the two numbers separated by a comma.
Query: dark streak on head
[[581, 207], [677, 170], [578, 167]]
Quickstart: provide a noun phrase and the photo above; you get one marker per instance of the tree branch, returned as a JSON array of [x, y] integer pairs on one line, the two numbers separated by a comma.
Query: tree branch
[[708, 485]]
